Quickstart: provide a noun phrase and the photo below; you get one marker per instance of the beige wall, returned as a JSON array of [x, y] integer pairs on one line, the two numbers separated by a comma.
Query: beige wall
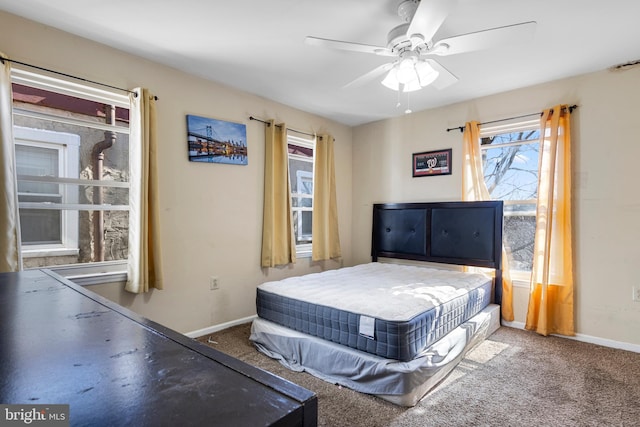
[[211, 214], [606, 152]]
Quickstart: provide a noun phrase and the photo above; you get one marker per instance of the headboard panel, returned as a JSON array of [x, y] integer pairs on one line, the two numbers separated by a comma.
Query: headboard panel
[[462, 233]]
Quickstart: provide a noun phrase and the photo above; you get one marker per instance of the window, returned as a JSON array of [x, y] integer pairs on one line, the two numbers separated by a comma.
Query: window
[[72, 156], [510, 164], [41, 153], [301, 180]]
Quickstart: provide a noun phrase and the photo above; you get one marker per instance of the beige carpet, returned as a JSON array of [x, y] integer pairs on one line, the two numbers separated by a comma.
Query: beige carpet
[[514, 378]]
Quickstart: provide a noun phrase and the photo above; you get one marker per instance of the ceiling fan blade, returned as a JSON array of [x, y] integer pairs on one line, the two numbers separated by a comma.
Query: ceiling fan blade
[[354, 47], [445, 77], [371, 75], [428, 18], [516, 33]]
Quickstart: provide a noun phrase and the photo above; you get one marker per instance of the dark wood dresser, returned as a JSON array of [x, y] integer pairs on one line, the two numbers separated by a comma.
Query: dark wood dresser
[[62, 344]]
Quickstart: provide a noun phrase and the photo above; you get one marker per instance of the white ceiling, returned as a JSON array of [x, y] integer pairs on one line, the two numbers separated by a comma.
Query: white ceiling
[[258, 45]]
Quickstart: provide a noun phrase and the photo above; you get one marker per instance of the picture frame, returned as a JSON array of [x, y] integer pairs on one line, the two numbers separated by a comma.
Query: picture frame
[[431, 163], [216, 141]]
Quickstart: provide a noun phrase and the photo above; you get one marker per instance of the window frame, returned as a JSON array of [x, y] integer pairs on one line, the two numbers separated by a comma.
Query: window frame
[[520, 277], [301, 177], [302, 249], [88, 273], [68, 147]]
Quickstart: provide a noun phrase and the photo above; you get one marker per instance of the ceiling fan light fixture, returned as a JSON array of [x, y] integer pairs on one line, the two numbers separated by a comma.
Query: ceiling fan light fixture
[[411, 86], [391, 80], [426, 73], [410, 75], [406, 71]]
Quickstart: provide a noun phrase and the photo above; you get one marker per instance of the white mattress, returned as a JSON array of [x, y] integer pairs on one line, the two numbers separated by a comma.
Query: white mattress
[[393, 292]]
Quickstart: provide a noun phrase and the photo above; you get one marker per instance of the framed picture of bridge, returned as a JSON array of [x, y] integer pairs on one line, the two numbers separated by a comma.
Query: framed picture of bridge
[[216, 141]]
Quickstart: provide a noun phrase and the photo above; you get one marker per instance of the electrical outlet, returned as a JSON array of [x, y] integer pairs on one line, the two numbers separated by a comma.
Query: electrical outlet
[[213, 283], [636, 293]]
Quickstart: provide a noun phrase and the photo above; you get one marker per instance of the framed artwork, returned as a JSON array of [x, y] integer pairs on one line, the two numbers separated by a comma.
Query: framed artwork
[[431, 163], [216, 141]]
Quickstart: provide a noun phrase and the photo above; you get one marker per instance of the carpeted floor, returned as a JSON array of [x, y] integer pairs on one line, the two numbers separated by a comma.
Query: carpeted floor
[[514, 378]]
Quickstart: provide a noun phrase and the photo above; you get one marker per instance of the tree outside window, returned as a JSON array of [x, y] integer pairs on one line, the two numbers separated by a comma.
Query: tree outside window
[[510, 165]]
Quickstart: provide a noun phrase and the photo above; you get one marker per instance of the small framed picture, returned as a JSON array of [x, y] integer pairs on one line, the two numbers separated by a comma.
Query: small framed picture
[[431, 163]]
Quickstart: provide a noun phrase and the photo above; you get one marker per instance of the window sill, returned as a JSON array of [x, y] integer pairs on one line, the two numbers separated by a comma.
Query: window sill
[[93, 274], [98, 279], [520, 279], [49, 252], [303, 254], [518, 283]]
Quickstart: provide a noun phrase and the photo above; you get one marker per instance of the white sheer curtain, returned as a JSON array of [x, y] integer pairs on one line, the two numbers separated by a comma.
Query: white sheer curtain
[[475, 188], [144, 269], [10, 259]]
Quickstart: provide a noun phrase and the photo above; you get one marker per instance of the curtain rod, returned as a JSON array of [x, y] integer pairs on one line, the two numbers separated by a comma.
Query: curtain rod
[[70, 76], [292, 130], [461, 128]]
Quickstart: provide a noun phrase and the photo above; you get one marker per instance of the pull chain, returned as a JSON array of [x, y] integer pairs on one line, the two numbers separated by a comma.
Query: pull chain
[[408, 110]]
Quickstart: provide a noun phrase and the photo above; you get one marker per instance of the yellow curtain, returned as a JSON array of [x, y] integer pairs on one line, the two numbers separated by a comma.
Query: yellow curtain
[[278, 244], [10, 259], [144, 267], [326, 240], [474, 188], [551, 293]]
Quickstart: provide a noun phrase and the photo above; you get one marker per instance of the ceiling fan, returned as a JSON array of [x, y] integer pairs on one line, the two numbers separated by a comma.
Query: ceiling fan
[[412, 44]]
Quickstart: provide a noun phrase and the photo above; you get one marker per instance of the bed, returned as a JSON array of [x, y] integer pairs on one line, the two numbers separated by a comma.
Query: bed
[[391, 328]]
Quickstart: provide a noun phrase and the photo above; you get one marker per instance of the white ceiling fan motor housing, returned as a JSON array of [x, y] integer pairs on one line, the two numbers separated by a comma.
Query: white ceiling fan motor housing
[[407, 9]]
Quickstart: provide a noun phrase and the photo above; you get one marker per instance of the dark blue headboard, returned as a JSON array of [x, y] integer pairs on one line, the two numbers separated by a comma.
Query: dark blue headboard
[[462, 233]]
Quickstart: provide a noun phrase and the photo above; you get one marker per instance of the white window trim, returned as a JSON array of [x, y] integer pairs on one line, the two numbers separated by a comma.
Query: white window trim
[[54, 84], [83, 273], [68, 146], [302, 176], [508, 127], [519, 278], [93, 273], [302, 250]]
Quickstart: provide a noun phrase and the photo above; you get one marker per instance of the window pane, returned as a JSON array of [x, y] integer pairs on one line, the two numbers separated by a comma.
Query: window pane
[[510, 165], [71, 140], [511, 173], [306, 224], [116, 236], [302, 222], [519, 233], [301, 180], [40, 226], [301, 176], [511, 137], [301, 202], [40, 100], [37, 161]]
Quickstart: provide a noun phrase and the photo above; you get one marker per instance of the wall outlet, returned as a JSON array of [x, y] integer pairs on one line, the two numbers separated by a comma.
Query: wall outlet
[[636, 293], [213, 283]]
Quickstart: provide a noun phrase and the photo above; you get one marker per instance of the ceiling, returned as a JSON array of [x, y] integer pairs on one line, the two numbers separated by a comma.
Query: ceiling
[[258, 45]]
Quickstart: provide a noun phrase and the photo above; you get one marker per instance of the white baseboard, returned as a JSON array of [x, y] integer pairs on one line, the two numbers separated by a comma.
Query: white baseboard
[[221, 326], [587, 338], [518, 325]]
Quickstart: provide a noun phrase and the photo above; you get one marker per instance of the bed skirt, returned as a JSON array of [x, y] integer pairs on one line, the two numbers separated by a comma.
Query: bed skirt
[[401, 383]]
